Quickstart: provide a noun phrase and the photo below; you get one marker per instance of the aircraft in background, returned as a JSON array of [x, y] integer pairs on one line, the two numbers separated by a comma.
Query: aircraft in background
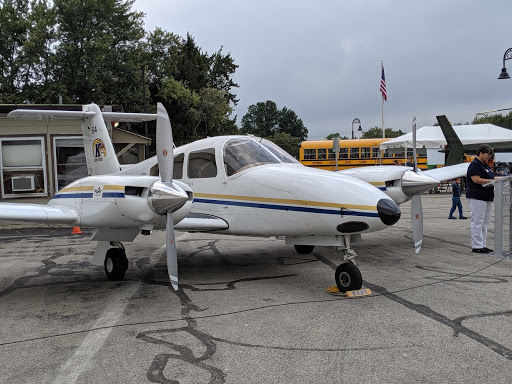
[[242, 185]]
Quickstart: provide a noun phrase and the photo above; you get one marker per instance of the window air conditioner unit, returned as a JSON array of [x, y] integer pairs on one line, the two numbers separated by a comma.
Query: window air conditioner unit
[[23, 183]]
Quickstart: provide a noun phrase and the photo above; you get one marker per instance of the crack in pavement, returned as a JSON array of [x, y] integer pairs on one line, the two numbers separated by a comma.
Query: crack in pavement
[[424, 310]]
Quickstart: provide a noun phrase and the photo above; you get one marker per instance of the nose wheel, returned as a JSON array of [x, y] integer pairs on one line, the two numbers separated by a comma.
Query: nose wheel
[[115, 264], [348, 277]]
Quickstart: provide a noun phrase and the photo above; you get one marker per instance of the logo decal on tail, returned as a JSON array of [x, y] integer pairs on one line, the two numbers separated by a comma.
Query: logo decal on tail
[[99, 150]]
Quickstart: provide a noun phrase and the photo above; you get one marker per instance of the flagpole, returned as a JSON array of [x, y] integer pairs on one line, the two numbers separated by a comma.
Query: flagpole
[[383, 130], [382, 79]]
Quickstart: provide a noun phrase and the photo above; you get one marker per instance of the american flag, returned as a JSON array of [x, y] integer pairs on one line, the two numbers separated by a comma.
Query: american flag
[[383, 84]]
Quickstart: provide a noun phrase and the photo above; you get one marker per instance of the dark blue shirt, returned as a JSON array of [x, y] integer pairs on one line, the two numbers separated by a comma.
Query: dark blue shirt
[[478, 191], [456, 189]]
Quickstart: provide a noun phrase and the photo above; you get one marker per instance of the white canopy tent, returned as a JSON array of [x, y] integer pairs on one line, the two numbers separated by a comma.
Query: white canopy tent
[[432, 137]]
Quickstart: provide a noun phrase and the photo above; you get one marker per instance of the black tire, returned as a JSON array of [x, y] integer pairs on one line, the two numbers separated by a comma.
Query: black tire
[[304, 249], [115, 264], [348, 277]]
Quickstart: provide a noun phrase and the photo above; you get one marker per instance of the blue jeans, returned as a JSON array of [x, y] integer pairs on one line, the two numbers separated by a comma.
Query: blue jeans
[[456, 203]]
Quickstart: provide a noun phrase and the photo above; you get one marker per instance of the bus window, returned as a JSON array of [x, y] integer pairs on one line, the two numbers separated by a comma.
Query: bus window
[[387, 153], [409, 152], [310, 154], [322, 155], [422, 152], [365, 153], [354, 153], [343, 153], [399, 153], [331, 154], [375, 152]]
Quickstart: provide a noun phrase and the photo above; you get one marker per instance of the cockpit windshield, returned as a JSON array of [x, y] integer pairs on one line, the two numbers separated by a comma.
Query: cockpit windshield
[[279, 152], [243, 153]]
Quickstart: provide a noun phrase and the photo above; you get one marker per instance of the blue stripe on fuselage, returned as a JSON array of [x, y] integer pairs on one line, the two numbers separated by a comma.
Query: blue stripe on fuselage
[[113, 194], [73, 196], [287, 208]]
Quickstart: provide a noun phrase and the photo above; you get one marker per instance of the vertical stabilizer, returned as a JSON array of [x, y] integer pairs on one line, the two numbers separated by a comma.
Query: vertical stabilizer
[[454, 147], [99, 151]]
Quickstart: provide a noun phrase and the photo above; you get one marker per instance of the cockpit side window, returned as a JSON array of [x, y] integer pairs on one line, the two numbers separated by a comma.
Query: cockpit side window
[[279, 152], [240, 154], [201, 164], [178, 166]]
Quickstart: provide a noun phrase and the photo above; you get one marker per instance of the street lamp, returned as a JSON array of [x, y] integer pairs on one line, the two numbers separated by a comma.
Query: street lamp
[[506, 56], [356, 120]]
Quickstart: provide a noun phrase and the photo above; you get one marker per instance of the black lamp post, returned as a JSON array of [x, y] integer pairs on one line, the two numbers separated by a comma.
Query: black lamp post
[[356, 120], [506, 56]]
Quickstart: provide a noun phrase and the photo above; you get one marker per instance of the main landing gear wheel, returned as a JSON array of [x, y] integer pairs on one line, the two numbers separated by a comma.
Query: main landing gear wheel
[[348, 277], [116, 264], [304, 249]]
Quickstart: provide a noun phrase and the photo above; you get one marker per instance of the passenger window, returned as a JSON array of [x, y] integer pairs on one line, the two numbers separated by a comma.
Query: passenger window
[[375, 152], [309, 154], [178, 166], [365, 152], [322, 155], [343, 153], [354, 153], [201, 164]]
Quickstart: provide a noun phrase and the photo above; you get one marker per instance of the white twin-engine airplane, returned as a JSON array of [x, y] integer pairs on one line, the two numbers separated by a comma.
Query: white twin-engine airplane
[[242, 185]]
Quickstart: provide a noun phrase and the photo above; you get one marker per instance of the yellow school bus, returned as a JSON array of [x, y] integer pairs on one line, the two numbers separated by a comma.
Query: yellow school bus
[[356, 153]]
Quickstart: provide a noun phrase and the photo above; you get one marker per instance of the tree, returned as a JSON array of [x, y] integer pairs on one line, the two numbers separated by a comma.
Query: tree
[[376, 132], [194, 86], [265, 120], [97, 51], [289, 143], [500, 120], [97, 58]]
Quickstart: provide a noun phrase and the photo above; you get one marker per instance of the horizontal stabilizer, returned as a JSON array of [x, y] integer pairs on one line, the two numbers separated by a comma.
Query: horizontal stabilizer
[[42, 114], [129, 117], [37, 213]]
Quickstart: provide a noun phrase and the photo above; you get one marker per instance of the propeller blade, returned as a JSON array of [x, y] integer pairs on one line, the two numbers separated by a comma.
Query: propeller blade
[[171, 252], [164, 144], [417, 222]]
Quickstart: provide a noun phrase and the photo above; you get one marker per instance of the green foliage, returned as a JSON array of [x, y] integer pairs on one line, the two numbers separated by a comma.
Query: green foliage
[[289, 143], [97, 51], [331, 136], [376, 133], [265, 120], [500, 120]]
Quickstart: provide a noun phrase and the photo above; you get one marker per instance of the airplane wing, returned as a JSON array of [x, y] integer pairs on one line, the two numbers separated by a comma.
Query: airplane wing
[[201, 223], [37, 213], [447, 173]]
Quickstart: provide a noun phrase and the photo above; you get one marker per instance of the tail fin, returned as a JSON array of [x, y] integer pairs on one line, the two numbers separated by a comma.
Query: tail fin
[[99, 151], [454, 149]]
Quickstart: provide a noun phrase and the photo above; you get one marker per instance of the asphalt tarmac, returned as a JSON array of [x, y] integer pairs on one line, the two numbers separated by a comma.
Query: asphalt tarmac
[[254, 311]]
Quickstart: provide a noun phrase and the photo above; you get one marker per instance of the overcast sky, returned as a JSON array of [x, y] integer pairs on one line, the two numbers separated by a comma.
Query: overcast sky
[[322, 58]]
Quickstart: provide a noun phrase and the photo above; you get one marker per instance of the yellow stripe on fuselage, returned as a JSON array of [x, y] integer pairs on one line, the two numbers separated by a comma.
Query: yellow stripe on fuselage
[[286, 201], [377, 183], [114, 187], [77, 189]]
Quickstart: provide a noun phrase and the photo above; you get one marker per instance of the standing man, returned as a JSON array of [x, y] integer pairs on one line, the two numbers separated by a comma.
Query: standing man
[[480, 197], [456, 203]]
